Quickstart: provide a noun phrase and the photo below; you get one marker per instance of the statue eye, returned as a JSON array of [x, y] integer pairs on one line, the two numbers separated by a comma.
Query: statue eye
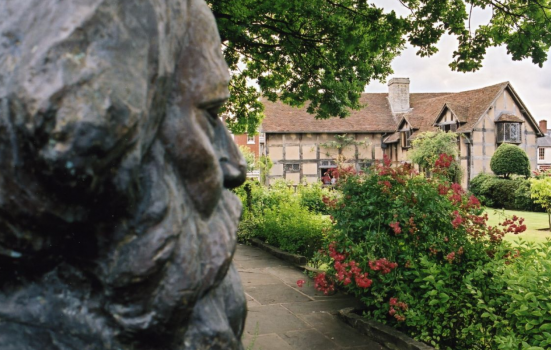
[[211, 110], [212, 114]]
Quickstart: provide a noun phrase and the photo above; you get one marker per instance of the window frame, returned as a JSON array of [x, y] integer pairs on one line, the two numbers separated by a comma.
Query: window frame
[[251, 139], [405, 138], [292, 167], [503, 132], [541, 153]]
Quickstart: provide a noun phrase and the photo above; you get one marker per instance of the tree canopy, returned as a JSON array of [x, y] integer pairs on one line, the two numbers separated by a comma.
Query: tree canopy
[[324, 52], [428, 147]]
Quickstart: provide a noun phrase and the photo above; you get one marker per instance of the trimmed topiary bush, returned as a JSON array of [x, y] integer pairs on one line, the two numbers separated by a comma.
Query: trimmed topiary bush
[[508, 160]]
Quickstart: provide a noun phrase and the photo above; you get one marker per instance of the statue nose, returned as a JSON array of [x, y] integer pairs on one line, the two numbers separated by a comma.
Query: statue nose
[[235, 173]]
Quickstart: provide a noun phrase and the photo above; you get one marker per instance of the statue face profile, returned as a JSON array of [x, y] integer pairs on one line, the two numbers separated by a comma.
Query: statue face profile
[[116, 226]]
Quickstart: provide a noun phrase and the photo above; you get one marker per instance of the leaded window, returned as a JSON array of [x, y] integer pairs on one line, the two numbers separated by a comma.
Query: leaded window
[[508, 132], [405, 135], [292, 167]]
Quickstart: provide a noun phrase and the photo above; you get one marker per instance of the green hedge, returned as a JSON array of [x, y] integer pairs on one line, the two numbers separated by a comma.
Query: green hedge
[[497, 192]]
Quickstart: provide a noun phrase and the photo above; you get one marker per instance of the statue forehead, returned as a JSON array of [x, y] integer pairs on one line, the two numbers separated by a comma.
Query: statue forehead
[[58, 34]]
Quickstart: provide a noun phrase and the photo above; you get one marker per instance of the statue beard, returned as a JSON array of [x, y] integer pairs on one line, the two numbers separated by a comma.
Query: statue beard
[[161, 278]]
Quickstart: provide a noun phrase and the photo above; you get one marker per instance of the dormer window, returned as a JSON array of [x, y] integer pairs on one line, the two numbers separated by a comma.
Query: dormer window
[[405, 135], [448, 126]]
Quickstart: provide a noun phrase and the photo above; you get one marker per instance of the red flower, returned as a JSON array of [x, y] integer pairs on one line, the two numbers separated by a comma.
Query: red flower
[[396, 227], [300, 283]]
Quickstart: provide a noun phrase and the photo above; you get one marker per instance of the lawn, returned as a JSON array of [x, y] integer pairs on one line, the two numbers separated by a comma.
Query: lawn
[[534, 222]]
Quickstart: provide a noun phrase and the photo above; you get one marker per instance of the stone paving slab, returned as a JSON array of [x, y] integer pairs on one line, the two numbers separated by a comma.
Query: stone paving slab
[[339, 332], [272, 319], [266, 342], [249, 263], [275, 294], [257, 277], [282, 316], [310, 339], [330, 305]]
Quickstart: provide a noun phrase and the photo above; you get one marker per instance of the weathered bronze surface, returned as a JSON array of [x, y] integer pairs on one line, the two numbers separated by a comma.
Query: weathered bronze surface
[[116, 230]]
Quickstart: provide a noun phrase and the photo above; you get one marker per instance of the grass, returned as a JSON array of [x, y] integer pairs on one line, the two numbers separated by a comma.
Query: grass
[[535, 222]]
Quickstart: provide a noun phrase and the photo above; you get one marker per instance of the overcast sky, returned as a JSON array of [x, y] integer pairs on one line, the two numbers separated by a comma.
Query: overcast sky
[[432, 74]]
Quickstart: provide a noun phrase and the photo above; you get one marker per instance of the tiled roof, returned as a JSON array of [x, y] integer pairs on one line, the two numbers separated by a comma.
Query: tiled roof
[[509, 118], [544, 141], [376, 116], [392, 138]]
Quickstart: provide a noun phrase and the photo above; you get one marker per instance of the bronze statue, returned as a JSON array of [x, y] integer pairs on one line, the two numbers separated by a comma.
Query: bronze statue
[[116, 227]]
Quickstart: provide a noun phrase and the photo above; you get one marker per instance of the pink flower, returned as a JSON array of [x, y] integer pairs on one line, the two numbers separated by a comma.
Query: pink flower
[[300, 283], [396, 227]]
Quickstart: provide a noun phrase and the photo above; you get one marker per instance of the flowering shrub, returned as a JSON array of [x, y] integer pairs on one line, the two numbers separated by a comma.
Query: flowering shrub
[[410, 247]]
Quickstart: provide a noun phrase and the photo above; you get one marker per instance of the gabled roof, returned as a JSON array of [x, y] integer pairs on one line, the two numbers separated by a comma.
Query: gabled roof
[[376, 117], [461, 112], [468, 106]]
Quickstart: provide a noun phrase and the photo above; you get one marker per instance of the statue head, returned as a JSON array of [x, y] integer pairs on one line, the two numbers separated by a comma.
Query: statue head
[[115, 167]]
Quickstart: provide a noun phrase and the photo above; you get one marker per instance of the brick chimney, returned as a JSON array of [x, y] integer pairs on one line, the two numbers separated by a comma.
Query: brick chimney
[[543, 126], [398, 94]]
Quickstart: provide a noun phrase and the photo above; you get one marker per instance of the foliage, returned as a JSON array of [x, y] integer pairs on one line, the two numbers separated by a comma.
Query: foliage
[[278, 216], [249, 158], [508, 160], [541, 193], [503, 193], [293, 228], [416, 251], [312, 197], [343, 141], [326, 51], [513, 299], [427, 148], [265, 164]]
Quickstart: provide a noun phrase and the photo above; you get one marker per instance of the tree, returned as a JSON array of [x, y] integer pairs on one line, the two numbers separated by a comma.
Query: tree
[[324, 52], [541, 193], [427, 148], [508, 160], [249, 158]]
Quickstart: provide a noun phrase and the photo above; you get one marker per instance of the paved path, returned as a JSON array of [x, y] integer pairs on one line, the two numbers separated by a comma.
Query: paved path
[[282, 316]]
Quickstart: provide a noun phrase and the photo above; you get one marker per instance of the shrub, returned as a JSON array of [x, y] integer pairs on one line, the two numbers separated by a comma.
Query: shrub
[[312, 196], [293, 228], [498, 192], [428, 146], [277, 216], [417, 251], [509, 159], [541, 193]]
